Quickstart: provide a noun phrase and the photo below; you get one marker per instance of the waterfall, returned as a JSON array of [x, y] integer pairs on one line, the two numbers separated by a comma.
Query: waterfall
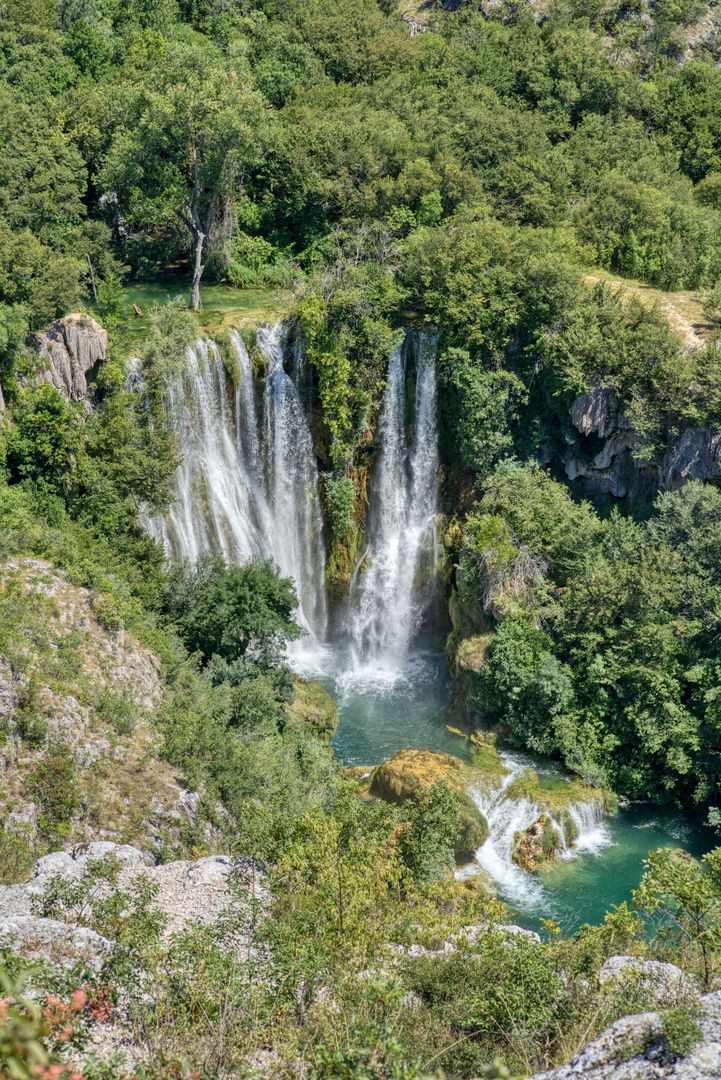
[[386, 605], [508, 817], [296, 535], [247, 486]]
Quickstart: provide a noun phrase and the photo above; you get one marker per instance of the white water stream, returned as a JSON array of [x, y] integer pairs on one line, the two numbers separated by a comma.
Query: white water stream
[[386, 606], [508, 817], [247, 485]]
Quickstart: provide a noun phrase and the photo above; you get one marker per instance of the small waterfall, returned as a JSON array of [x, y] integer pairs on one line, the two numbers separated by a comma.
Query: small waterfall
[[507, 817], [246, 488], [386, 605]]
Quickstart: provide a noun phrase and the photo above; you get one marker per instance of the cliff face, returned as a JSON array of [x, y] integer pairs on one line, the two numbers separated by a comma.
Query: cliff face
[[605, 457], [68, 350], [70, 676]]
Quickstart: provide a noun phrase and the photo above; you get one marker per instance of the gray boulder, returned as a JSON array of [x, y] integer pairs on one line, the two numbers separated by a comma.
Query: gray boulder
[[634, 1049], [125, 854], [663, 981], [47, 939], [211, 870]]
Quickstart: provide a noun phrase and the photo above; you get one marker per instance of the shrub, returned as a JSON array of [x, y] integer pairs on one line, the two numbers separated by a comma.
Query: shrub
[[118, 710], [681, 1029], [340, 494], [17, 856], [52, 784]]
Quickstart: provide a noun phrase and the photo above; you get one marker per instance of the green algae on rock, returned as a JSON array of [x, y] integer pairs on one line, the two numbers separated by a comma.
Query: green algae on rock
[[313, 706], [410, 773]]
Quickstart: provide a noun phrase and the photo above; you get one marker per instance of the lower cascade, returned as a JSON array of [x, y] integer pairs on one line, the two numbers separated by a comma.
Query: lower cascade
[[566, 826]]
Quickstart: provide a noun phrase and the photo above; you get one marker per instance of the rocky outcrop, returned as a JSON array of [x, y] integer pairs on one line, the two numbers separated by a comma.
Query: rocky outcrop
[[410, 773], [696, 456], [605, 458], [95, 691], [661, 981], [636, 1048], [189, 890], [537, 844], [595, 413], [37, 938], [68, 350]]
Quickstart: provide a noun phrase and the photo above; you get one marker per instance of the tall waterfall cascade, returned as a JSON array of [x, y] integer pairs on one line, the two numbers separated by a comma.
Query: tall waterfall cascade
[[386, 605], [247, 485]]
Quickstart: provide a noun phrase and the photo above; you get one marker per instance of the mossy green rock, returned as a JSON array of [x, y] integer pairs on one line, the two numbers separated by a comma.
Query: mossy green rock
[[313, 706], [410, 773]]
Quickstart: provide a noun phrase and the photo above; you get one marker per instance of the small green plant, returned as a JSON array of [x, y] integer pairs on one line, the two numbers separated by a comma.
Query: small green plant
[[52, 784], [110, 611], [17, 856], [118, 710], [681, 1029], [31, 725], [340, 494]]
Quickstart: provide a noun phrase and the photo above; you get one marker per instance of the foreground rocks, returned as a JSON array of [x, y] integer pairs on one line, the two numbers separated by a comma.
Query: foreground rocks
[[662, 981], [635, 1048], [189, 891]]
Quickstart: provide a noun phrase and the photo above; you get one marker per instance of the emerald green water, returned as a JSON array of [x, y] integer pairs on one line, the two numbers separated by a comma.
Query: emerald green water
[[382, 711]]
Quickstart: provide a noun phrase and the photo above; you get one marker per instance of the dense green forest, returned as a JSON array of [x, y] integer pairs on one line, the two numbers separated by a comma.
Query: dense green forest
[[469, 169], [465, 176]]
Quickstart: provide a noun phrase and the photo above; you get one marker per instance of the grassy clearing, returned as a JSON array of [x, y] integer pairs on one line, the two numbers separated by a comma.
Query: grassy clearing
[[683, 309]]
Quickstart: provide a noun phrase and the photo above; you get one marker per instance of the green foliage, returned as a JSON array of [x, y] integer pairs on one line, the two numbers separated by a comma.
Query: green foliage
[[340, 493], [372, 1052], [17, 856], [93, 899], [45, 438], [602, 630], [118, 710], [690, 894], [172, 331], [644, 232], [51, 782], [427, 843], [31, 725], [681, 1030], [232, 611]]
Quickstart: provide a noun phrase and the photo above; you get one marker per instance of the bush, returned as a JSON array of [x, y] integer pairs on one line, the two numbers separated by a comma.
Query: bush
[[17, 856], [340, 494], [52, 783], [118, 710]]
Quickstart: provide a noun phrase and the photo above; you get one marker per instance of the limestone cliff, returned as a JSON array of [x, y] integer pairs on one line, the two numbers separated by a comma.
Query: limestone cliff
[[68, 350], [606, 457]]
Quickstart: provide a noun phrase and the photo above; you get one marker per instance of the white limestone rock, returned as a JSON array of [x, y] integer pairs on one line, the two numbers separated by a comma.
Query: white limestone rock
[[37, 938]]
